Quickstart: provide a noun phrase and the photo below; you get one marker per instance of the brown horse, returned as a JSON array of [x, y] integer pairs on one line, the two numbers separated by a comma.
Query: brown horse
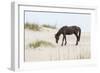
[[68, 30]]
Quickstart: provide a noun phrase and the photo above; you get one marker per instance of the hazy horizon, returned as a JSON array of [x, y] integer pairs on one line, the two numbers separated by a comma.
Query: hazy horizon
[[59, 19]]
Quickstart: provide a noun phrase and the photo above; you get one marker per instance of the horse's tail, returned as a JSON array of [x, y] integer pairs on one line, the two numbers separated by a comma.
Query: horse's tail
[[79, 34]]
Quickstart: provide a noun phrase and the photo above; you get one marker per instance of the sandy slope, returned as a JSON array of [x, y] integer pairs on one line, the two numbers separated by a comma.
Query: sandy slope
[[70, 51]]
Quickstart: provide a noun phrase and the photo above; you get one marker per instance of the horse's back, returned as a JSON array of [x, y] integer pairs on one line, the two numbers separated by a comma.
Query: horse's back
[[75, 27], [69, 29]]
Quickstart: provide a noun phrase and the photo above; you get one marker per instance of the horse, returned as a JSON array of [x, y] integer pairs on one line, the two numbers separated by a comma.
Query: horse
[[68, 30]]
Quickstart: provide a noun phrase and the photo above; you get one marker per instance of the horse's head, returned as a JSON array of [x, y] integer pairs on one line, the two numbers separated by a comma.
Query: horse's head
[[57, 38]]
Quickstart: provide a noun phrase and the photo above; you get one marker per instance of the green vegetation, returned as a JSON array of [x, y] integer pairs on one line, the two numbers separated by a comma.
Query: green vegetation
[[32, 26], [40, 43], [49, 26]]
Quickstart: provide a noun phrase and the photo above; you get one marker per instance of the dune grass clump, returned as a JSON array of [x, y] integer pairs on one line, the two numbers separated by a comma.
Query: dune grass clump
[[49, 26], [32, 26], [40, 43]]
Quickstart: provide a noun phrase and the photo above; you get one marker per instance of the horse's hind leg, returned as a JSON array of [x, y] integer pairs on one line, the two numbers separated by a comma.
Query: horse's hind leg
[[76, 38], [77, 42]]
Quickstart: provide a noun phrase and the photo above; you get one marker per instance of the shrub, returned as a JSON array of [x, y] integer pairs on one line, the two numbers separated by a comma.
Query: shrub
[[32, 26], [49, 26], [40, 43]]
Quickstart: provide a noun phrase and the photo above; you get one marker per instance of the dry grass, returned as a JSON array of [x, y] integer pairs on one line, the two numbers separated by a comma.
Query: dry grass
[[40, 43], [32, 26], [49, 26]]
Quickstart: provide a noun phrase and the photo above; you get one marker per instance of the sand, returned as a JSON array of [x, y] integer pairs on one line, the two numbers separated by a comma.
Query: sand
[[58, 52]]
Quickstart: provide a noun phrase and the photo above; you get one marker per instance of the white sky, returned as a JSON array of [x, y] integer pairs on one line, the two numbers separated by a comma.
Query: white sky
[[59, 19]]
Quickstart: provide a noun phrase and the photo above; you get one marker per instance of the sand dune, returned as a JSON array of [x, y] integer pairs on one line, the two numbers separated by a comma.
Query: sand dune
[[58, 52]]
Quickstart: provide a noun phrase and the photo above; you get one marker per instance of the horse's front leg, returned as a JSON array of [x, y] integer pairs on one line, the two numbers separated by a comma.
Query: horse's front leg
[[62, 41], [65, 40]]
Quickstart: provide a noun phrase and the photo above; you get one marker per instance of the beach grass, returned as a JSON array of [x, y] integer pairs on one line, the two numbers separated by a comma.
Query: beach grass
[[40, 43], [32, 26], [49, 26]]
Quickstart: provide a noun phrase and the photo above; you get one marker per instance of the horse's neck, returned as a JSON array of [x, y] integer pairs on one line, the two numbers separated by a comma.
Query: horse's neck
[[58, 33]]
